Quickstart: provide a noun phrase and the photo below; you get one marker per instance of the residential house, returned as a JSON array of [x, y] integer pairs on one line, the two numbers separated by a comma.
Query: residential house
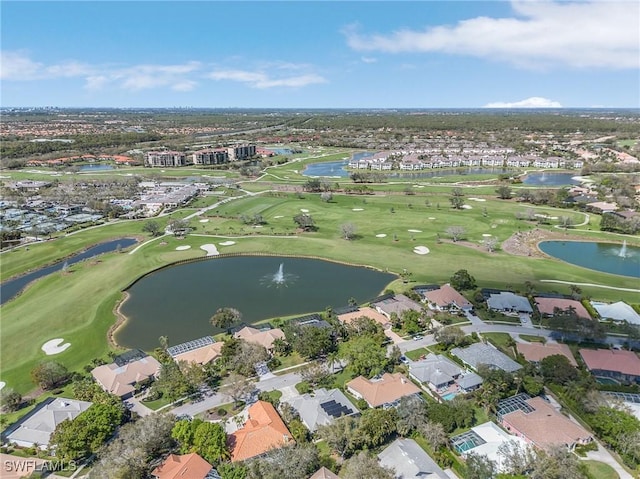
[[385, 391], [619, 311], [602, 207], [486, 440], [508, 302], [410, 461], [322, 407], [538, 423], [187, 466], [547, 306], [397, 304], [199, 351], [324, 473], [121, 378], [492, 161], [264, 337], [36, 427], [623, 366], [264, 430], [536, 352], [443, 375], [480, 353], [446, 298], [367, 312]]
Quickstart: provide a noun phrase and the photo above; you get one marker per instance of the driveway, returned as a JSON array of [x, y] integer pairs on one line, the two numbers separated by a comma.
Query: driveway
[[603, 455]]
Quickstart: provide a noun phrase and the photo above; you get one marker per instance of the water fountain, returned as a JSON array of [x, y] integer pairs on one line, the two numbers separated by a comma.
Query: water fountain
[[278, 277], [623, 250]]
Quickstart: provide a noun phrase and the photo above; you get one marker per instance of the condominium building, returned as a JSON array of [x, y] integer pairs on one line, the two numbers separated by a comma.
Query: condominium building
[[165, 158], [241, 152], [211, 157]]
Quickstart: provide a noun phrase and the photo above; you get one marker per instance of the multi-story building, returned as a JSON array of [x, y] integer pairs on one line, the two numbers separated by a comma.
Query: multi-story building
[[241, 152], [165, 158], [211, 157]]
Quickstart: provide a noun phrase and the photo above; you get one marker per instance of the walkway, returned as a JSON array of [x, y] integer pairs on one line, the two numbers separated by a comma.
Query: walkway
[[605, 456], [590, 284]]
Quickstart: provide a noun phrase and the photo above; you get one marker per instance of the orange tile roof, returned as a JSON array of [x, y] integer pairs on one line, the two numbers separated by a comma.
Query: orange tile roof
[[388, 389], [366, 311], [264, 430], [545, 426], [446, 296], [623, 362], [547, 305], [536, 352], [263, 338], [190, 466], [203, 355]]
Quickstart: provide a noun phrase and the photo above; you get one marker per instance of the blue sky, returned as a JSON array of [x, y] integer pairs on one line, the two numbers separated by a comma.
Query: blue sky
[[329, 54]]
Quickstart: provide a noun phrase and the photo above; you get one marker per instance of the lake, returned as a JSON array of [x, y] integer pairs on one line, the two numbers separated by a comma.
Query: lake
[[605, 257], [96, 167], [178, 301], [12, 287], [550, 179]]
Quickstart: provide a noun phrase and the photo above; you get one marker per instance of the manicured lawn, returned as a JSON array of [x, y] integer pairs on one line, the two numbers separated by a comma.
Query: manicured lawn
[[501, 340], [157, 404], [532, 339], [292, 359], [416, 353], [600, 470]]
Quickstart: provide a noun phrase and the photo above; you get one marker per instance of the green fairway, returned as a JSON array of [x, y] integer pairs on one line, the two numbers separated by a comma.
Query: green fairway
[[78, 306]]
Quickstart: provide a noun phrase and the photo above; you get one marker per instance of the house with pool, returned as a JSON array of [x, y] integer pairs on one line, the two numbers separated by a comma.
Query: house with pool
[[618, 366], [444, 377]]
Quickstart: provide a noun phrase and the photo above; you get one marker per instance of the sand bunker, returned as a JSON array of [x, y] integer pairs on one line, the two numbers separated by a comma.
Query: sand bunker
[[476, 199], [421, 250], [304, 210], [227, 243], [210, 249], [204, 221], [2, 384], [357, 209], [54, 346], [277, 217], [467, 207], [381, 235], [486, 235], [431, 218], [414, 231], [183, 247]]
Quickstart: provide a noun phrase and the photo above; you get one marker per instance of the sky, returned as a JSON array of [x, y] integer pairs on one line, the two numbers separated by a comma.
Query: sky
[[324, 54]]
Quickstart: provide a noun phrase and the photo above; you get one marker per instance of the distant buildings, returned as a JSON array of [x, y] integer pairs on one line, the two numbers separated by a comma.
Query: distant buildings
[[165, 159], [241, 152], [208, 156], [216, 156]]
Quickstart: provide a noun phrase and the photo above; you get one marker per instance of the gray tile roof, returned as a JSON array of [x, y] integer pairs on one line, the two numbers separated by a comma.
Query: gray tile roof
[[322, 407], [506, 301], [435, 369], [410, 461], [480, 353]]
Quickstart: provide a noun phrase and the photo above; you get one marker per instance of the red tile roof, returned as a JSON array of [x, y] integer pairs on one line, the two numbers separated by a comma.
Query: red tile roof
[[623, 362], [190, 466], [537, 351], [547, 305]]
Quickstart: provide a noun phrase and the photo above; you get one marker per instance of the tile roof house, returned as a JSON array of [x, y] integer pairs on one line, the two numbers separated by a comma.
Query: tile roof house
[[446, 298], [324, 473], [264, 430], [480, 353], [619, 311], [537, 422], [37, 426], [190, 466], [386, 391], [509, 302], [200, 351], [443, 375], [410, 461], [536, 352], [397, 304], [370, 313], [612, 363], [122, 380], [263, 338], [548, 305], [322, 408]]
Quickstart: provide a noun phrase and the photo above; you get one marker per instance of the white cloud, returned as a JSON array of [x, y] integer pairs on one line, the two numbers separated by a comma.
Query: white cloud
[[369, 59], [602, 34], [533, 102], [17, 66], [261, 80]]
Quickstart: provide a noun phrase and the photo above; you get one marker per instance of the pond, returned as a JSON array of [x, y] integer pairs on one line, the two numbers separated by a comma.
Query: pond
[[96, 167], [178, 301], [606, 257], [550, 179], [12, 287]]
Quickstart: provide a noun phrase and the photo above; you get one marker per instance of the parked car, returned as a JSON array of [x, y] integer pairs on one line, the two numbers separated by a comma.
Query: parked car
[[418, 337], [404, 360]]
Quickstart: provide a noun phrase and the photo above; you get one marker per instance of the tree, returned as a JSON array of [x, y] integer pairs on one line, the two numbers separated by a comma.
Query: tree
[[305, 222], [342, 435], [504, 192], [49, 374], [462, 280], [310, 342], [412, 414], [456, 232], [450, 336], [566, 222], [10, 400], [434, 433], [557, 368], [178, 226], [457, 198], [290, 462], [479, 467], [237, 387], [365, 466], [365, 356], [225, 317], [205, 438], [517, 459], [376, 425], [172, 383], [152, 227], [348, 231], [245, 357], [557, 463], [491, 243], [326, 196]]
